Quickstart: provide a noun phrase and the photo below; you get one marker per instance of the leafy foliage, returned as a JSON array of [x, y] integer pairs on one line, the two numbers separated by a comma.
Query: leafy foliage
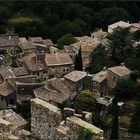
[[59, 18], [85, 101], [85, 134], [125, 89], [121, 44], [78, 61], [135, 122], [65, 40]]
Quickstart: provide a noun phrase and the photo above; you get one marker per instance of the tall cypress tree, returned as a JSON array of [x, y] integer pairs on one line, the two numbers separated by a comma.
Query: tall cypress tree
[[78, 61], [114, 131]]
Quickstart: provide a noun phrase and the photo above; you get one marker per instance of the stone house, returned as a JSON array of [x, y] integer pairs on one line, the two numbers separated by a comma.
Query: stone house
[[11, 124], [121, 24], [135, 27], [34, 64], [49, 122], [8, 42], [7, 95], [38, 40], [5, 73], [70, 50], [26, 46], [114, 74], [52, 96], [99, 35], [58, 64], [20, 71], [75, 80], [24, 86], [99, 81], [87, 44]]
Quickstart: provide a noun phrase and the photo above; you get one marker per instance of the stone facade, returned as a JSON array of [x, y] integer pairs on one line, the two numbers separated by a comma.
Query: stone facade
[[113, 78], [48, 122], [58, 71], [45, 117]]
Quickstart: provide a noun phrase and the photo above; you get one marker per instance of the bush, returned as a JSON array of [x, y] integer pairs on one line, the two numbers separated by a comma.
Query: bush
[[65, 40], [85, 101]]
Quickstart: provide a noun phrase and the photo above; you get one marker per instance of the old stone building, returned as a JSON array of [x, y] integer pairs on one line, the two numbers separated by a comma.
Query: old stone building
[[26, 46], [99, 81], [115, 74], [7, 95], [135, 26], [121, 24], [34, 64], [58, 64], [75, 80], [48, 122], [10, 125], [8, 42], [99, 35]]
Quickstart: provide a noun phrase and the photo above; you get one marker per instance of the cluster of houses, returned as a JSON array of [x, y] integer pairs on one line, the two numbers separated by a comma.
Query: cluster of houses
[[45, 77]]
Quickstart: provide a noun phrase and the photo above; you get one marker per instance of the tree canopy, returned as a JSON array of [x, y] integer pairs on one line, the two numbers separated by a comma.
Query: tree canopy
[[57, 18]]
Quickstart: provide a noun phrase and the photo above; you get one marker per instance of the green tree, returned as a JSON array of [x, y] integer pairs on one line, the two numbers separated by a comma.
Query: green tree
[[78, 61], [135, 75], [85, 134], [27, 26], [85, 101], [98, 53], [65, 40], [121, 44], [135, 122], [136, 35], [114, 130], [125, 89], [113, 14]]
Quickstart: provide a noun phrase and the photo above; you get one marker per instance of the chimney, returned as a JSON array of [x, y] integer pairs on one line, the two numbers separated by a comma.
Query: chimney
[[104, 68], [9, 37], [127, 21], [122, 65]]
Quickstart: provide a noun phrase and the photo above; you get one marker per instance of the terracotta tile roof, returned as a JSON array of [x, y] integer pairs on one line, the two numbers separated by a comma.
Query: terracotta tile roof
[[136, 25], [100, 76], [120, 70], [21, 71], [36, 39], [75, 76], [49, 95], [58, 59], [119, 24], [6, 89], [12, 117], [48, 42], [99, 33], [24, 44], [8, 40], [32, 64], [6, 72]]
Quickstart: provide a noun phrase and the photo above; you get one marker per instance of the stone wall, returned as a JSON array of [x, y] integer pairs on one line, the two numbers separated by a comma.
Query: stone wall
[[44, 119], [59, 71], [112, 79], [48, 122]]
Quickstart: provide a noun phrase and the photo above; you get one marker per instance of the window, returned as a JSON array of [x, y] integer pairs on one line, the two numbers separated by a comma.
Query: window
[[65, 70], [2, 98], [114, 78]]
